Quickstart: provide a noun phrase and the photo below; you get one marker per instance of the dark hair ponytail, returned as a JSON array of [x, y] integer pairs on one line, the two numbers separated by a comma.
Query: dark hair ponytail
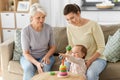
[[71, 8]]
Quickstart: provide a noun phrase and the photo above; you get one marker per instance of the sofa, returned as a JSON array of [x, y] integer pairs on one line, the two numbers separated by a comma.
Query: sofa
[[11, 69]]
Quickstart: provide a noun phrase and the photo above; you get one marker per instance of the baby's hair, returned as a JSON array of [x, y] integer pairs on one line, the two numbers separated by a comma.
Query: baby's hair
[[83, 49]]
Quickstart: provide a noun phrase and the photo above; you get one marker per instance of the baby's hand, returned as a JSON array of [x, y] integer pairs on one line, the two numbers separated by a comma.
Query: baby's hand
[[68, 53], [62, 55]]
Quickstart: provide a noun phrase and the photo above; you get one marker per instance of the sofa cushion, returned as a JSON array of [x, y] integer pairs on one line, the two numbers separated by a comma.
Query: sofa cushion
[[112, 48], [15, 67], [17, 48], [111, 72], [109, 30], [60, 38]]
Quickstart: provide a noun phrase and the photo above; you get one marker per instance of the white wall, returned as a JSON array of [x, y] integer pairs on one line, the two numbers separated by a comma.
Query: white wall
[[54, 10], [55, 15]]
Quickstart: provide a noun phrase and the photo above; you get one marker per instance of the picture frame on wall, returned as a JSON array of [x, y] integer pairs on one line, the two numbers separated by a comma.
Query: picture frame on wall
[[23, 6]]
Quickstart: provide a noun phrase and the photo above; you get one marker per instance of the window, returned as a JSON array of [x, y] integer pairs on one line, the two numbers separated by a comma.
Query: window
[[93, 2]]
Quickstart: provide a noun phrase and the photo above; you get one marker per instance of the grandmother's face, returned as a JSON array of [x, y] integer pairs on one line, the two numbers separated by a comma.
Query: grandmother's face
[[38, 19]]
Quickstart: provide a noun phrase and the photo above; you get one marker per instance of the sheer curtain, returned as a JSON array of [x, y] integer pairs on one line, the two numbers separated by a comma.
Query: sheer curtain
[[54, 9]]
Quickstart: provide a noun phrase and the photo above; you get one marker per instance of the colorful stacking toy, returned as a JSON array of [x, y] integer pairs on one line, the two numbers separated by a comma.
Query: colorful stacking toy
[[63, 68]]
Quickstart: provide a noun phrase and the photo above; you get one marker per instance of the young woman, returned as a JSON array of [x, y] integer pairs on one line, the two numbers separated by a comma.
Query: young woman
[[81, 31]]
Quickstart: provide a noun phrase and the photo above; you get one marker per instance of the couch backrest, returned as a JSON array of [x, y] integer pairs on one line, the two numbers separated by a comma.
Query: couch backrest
[[109, 30], [62, 41]]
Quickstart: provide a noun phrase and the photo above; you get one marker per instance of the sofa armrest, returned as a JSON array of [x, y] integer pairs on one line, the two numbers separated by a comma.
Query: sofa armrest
[[6, 51]]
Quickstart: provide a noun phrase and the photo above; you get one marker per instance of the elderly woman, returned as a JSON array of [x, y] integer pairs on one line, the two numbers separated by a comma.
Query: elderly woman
[[38, 44]]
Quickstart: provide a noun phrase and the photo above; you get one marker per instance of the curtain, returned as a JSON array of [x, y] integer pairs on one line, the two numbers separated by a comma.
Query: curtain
[[54, 9]]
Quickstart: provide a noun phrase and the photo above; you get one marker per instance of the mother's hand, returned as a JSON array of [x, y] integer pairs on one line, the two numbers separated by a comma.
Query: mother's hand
[[88, 63]]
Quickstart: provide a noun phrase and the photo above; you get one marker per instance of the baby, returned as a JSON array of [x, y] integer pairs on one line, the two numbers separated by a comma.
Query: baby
[[76, 58]]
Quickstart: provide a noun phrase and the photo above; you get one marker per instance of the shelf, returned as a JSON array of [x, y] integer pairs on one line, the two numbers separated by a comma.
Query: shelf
[[9, 17], [11, 5]]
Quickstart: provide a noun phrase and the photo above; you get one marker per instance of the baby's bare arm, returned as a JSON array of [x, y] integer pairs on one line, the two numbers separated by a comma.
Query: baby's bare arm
[[63, 55]]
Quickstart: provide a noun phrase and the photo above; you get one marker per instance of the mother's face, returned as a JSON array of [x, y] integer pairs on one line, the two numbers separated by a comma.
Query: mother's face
[[38, 19], [73, 18]]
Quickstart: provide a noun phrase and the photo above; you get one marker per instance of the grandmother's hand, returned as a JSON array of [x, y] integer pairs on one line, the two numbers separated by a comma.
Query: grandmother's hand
[[46, 60], [39, 67]]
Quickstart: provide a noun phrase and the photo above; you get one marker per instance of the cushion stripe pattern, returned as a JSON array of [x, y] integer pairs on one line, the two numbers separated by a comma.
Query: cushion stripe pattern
[[112, 48]]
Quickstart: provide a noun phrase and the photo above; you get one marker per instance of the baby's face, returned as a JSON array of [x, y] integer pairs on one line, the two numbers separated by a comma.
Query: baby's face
[[76, 52]]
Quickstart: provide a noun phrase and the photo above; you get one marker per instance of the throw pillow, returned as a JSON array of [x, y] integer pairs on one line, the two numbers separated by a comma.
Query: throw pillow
[[112, 48], [17, 49]]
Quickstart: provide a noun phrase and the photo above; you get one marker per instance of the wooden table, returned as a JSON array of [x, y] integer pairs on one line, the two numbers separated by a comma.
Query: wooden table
[[47, 76]]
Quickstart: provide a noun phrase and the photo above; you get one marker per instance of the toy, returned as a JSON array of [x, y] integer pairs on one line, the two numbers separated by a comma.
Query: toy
[[62, 70], [68, 48], [52, 73]]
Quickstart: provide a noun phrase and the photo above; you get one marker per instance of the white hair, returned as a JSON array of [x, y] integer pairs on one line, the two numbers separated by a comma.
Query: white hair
[[36, 8]]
